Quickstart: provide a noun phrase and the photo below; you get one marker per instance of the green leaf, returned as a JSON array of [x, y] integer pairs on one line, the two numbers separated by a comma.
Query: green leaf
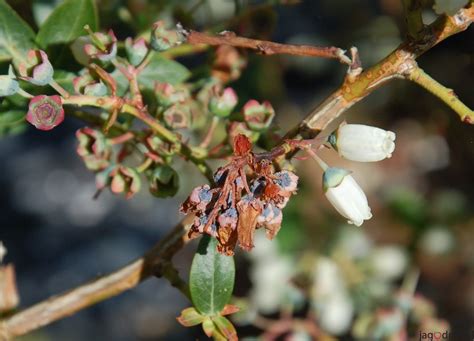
[[12, 122], [67, 22], [163, 70], [16, 37], [212, 278]]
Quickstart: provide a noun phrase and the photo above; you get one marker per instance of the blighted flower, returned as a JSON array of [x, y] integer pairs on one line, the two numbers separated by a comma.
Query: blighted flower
[[93, 148], [223, 102], [36, 69], [358, 142], [236, 207], [162, 39], [346, 196], [136, 50], [88, 85], [120, 179], [102, 46], [258, 116], [45, 112], [8, 83]]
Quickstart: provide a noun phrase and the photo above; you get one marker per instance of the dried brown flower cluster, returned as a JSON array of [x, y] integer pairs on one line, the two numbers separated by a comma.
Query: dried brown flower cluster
[[235, 207]]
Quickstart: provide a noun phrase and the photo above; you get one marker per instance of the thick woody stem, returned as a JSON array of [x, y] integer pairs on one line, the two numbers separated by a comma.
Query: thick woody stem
[[153, 263], [267, 47]]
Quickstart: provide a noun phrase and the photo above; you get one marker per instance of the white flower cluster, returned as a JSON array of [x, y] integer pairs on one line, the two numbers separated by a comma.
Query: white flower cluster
[[360, 143]]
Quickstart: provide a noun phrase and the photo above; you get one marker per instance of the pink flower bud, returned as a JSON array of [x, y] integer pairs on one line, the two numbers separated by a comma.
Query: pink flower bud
[[163, 39], [223, 102], [136, 50], [37, 69], [168, 94], [88, 85], [258, 116], [121, 179], [102, 47], [45, 112]]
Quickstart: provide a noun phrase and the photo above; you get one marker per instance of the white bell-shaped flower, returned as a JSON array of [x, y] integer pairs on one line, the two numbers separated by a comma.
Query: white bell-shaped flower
[[358, 142], [345, 195]]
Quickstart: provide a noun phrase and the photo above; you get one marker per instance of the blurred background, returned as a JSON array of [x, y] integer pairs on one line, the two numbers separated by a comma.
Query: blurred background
[[345, 278]]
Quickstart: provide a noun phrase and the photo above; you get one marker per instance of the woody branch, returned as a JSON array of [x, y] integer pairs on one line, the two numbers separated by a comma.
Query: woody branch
[[399, 64]]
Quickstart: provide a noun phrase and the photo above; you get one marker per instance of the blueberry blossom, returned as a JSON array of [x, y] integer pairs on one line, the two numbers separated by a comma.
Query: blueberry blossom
[[363, 143], [345, 195], [36, 69], [8, 84], [45, 112]]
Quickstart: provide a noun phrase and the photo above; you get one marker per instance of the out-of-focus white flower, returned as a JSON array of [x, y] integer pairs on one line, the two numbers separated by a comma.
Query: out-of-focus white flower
[[358, 142], [269, 268], [388, 262], [346, 196], [327, 278], [437, 241], [354, 242], [331, 301], [336, 316], [3, 251]]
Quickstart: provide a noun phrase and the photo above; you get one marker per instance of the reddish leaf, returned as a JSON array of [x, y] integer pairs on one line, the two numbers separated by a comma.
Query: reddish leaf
[[190, 317], [229, 309], [225, 327]]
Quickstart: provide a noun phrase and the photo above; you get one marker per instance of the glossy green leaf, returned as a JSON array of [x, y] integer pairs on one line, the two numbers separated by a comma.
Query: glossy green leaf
[[163, 70], [67, 22], [212, 278], [16, 37]]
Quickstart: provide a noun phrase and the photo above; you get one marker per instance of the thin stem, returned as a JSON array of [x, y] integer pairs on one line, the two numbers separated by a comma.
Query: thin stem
[[55, 85], [145, 165], [23, 93], [316, 158], [122, 138], [447, 95], [267, 47], [210, 133]]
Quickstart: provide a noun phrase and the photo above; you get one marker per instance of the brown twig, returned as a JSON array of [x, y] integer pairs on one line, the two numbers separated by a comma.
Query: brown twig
[[266, 47], [154, 262], [398, 64]]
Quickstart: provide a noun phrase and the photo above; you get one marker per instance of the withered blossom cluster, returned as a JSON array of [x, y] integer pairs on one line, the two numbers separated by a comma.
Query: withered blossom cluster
[[237, 205]]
